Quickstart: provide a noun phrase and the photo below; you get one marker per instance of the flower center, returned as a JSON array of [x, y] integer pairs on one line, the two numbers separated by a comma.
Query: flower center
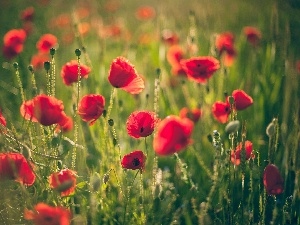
[[142, 129], [135, 162]]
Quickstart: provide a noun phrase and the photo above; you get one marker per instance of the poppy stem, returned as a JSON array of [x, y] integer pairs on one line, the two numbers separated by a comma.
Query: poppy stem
[[111, 102], [128, 197]]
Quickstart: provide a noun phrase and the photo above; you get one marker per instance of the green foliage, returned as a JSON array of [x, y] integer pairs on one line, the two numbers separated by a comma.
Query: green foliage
[[199, 185]]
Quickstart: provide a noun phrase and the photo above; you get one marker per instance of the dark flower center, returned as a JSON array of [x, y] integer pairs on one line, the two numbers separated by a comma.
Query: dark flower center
[[48, 218], [142, 129], [135, 162]]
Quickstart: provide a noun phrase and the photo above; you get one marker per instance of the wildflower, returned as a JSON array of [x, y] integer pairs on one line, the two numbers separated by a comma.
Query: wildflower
[[141, 123], [122, 74], [272, 179], [91, 107], [145, 13], [169, 37], [200, 68], [14, 166], [192, 114], [69, 72], [253, 35], [236, 155], [46, 110], [44, 214], [63, 181], [174, 55], [2, 119], [221, 111], [241, 99], [225, 47], [13, 42], [46, 42], [65, 125], [27, 14], [134, 160], [37, 60], [173, 134]]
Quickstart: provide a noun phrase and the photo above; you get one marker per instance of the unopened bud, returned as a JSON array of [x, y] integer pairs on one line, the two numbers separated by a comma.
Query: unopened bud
[[52, 51], [47, 65], [16, 65], [77, 52], [105, 178], [232, 126], [111, 122], [270, 131]]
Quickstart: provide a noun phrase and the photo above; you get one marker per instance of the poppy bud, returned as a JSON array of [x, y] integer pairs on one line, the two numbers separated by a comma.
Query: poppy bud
[[30, 68], [78, 52], [16, 65], [111, 122], [52, 51], [47, 65], [232, 126], [270, 131], [105, 178]]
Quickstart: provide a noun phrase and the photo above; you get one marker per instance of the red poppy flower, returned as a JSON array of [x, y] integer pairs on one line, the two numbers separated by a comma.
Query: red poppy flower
[[46, 110], [44, 214], [134, 160], [14, 166], [123, 75], [192, 114], [27, 14], [13, 42], [273, 181], [174, 55], [241, 99], [63, 181], [37, 60], [200, 68], [253, 35], [221, 111], [236, 155], [2, 119], [46, 42], [141, 123], [145, 13], [225, 47], [65, 125], [169, 37], [173, 134], [91, 107], [69, 72]]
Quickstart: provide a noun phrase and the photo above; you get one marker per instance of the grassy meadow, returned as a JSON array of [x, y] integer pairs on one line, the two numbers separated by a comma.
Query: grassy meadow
[[197, 183]]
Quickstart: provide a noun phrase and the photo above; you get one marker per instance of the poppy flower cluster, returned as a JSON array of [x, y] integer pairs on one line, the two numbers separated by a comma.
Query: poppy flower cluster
[[141, 123], [225, 46], [134, 160], [273, 181], [13, 43], [200, 68], [169, 37], [44, 214], [14, 166], [173, 134], [69, 72], [122, 74], [63, 181], [91, 107], [47, 110], [222, 110], [192, 114], [236, 154]]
